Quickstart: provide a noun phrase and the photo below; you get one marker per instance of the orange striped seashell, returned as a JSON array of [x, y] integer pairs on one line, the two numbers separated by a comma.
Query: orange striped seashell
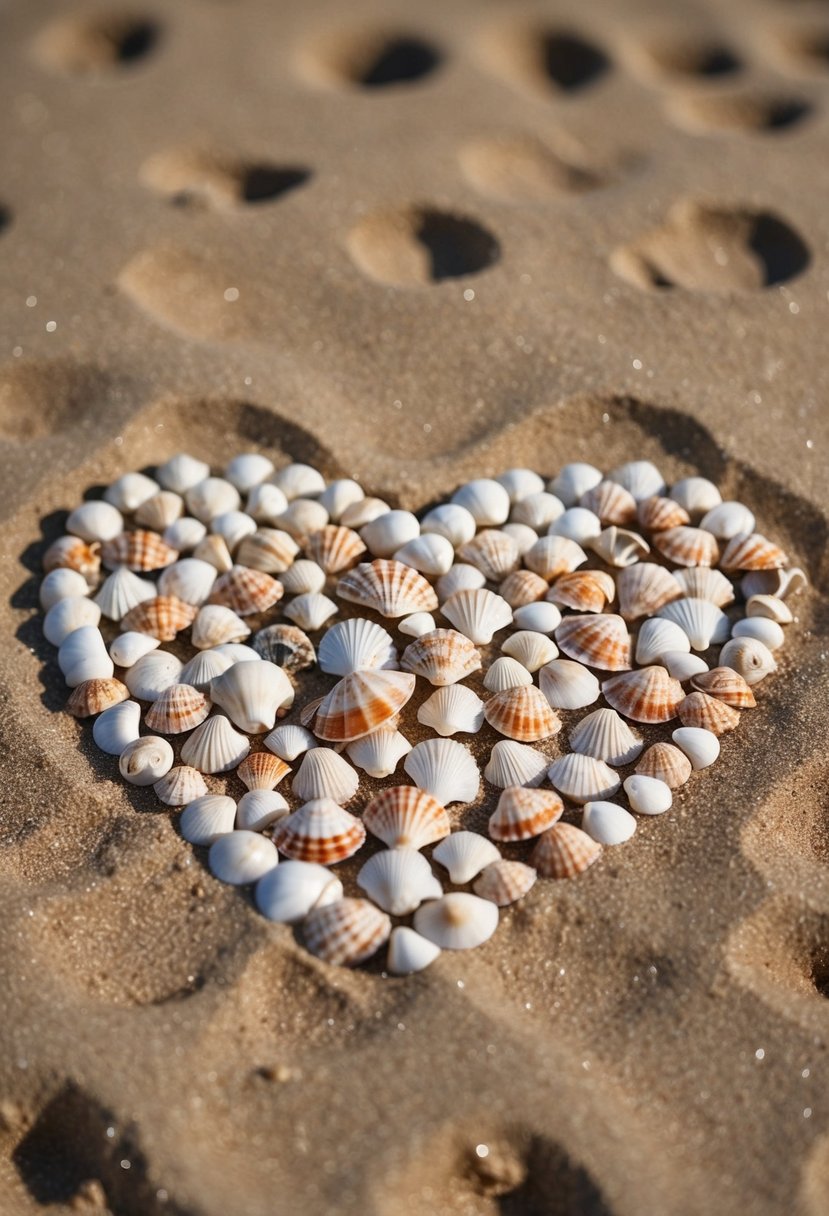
[[552, 556], [504, 882], [74, 554], [647, 695], [726, 685], [138, 551], [162, 617], [687, 546], [442, 657], [492, 552], [346, 932], [522, 587], [611, 502], [523, 812], [389, 587], [403, 816], [335, 548], [656, 514], [667, 763], [94, 696], [179, 708], [246, 591], [752, 552], [269, 550], [522, 713], [644, 588], [601, 640], [583, 590], [699, 709], [262, 771], [319, 831], [564, 851], [360, 703]]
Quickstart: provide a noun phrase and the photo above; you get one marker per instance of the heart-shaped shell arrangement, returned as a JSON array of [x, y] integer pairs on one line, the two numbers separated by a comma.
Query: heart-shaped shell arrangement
[[641, 619]]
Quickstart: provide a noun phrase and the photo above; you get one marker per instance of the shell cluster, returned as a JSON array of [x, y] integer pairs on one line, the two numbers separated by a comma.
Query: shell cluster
[[268, 631]]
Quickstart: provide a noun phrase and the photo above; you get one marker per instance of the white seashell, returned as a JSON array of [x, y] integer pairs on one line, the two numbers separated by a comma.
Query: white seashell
[[477, 614], [213, 549], [237, 652], [607, 822], [129, 647], [578, 524], [531, 649], [703, 623], [486, 501], [409, 951], [215, 747], [339, 495], [129, 491], [379, 753], [749, 657], [247, 470], [387, 533], [323, 773], [648, 795], [67, 615], [207, 818], [520, 484], [582, 778], [464, 855], [768, 607], [573, 481], [211, 497], [82, 654], [241, 857], [146, 760], [782, 583], [762, 628], [184, 534], [512, 763], [605, 735], [568, 685], [682, 666], [727, 520], [451, 710], [95, 521], [538, 510], [288, 892], [203, 668], [182, 472], [398, 880], [461, 577], [154, 672], [289, 741], [121, 591], [117, 727], [542, 617], [363, 512], [454, 523], [215, 624], [299, 481], [506, 673], [310, 611], [458, 921], [523, 535], [251, 694], [356, 644], [640, 478], [702, 747], [160, 511], [658, 636], [696, 494], [61, 584], [445, 769], [180, 786], [705, 583], [258, 809], [265, 503], [418, 624], [304, 577], [233, 527], [189, 579], [431, 554], [552, 556], [619, 547]]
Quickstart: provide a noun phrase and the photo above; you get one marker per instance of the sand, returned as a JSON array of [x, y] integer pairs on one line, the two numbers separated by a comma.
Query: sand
[[593, 234]]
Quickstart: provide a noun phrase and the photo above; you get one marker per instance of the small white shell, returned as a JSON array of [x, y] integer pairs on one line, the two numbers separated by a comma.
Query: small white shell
[[511, 763], [648, 795], [241, 857], [573, 481], [461, 577], [409, 951], [266, 503], [211, 497], [658, 636], [782, 583], [67, 615], [530, 648], [129, 647], [154, 672], [82, 654], [363, 512], [215, 747], [123, 590], [454, 523], [146, 760], [207, 818], [568, 685], [751, 658], [233, 527], [458, 921], [766, 606], [619, 547], [236, 652], [184, 534], [578, 524], [464, 855], [702, 747], [303, 517], [640, 478], [252, 694], [445, 769], [538, 511], [430, 554], [304, 577], [288, 892], [583, 779], [379, 753], [605, 735], [310, 611], [486, 501], [180, 786], [696, 494], [506, 673], [682, 666], [61, 584], [607, 822], [247, 470], [520, 483], [703, 623], [323, 773], [189, 579], [523, 535], [339, 495], [129, 491], [387, 533], [215, 624], [398, 880], [161, 510], [355, 644], [416, 625], [451, 710], [204, 667], [477, 614], [117, 727], [299, 481], [727, 520], [213, 549], [95, 521], [763, 629], [289, 741], [181, 472], [258, 809], [542, 617]]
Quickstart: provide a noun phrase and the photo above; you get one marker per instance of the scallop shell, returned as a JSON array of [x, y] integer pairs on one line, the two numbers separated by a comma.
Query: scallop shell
[[159, 511], [538, 511], [568, 685], [129, 490], [72, 553], [761, 629], [360, 703], [505, 882], [60, 584], [246, 591], [640, 477], [644, 588], [726, 685], [302, 518], [262, 771], [552, 556], [564, 851], [82, 655], [486, 500], [443, 657], [657, 513], [324, 774], [607, 823], [702, 747], [286, 646], [648, 795], [64, 617], [335, 548], [605, 736], [388, 587], [522, 813], [95, 521], [179, 708], [573, 481], [140, 551], [252, 694], [311, 611], [458, 921], [340, 494], [531, 649], [122, 591], [646, 695], [583, 779], [765, 607], [464, 855], [686, 546], [152, 673], [701, 621], [379, 753], [180, 786], [398, 880], [213, 550], [363, 512], [204, 667], [445, 769], [451, 710], [389, 532], [260, 809], [215, 747], [116, 727], [707, 713], [409, 952], [303, 578], [727, 520], [576, 523], [540, 617], [94, 696], [599, 640], [189, 579], [619, 547], [666, 762], [752, 552], [752, 659], [450, 521], [268, 550], [520, 484], [460, 578], [354, 645], [696, 495], [145, 760], [514, 764], [522, 713], [215, 624], [403, 816], [611, 502], [522, 587], [207, 818], [506, 673], [431, 554], [701, 582], [289, 741], [181, 472], [478, 614], [657, 637], [298, 481], [583, 590], [287, 893], [163, 617], [211, 497], [319, 831], [346, 932], [494, 553]]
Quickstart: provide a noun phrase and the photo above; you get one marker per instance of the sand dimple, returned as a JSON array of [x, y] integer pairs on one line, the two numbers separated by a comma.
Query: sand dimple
[[97, 44], [683, 55], [804, 46], [738, 111], [371, 59], [544, 58], [524, 169], [41, 396], [416, 245], [199, 175]]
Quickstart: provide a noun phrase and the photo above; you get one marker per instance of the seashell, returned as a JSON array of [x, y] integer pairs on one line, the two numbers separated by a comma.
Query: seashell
[[389, 588], [454, 523], [451, 710], [387, 533], [246, 591], [752, 659], [340, 494], [657, 513], [486, 501], [379, 753], [95, 521], [464, 855], [72, 553], [657, 637], [666, 762], [398, 880], [445, 769], [122, 591], [523, 535], [582, 778], [211, 497], [213, 550], [781, 583], [619, 547], [409, 952], [303, 578], [335, 548], [574, 481], [116, 727], [727, 520], [237, 652], [259, 809], [363, 512], [265, 503], [682, 666], [494, 553], [430, 554], [179, 708], [576, 523], [648, 795], [726, 685], [707, 713], [607, 823], [64, 617], [514, 764], [152, 673], [247, 470], [538, 510], [346, 932], [522, 713], [520, 484], [564, 851], [765, 607], [702, 622], [299, 481], [286, 646], [207, 818], [696, 494], [215, 747], [61, 584], [189, 579], [405, 817], [129, 491], [311, 611], [640, 477], [703, 583], [531, 649], [180, 473], [359, 704], [324, 774], [583, 590], [478, 614], [159, 511], [215, 624], [145, 760], [203, 668], [599, 640], [506, 673], [686, 546], [140, 551], [162, 617], [233, 527], [524, 812], [94, 696], [416, 625], [180, 786], [356, 644], [460, 578], [289, 741], [252, 694], [522, 587], [241, 857], [442, 657], [458, 921], [702, 747], [611, 502], [288, 892], [262, 771], [540, 617], [552, 556], [644, 588], [505, 882], [82, 655], [568, 685], [271, 551], [646, 695], [762, 630], [605, 736], [319, 831]]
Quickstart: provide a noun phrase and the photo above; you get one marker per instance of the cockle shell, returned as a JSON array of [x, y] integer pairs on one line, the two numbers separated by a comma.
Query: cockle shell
[[445, 769], [648, 795], [379, 753], [303, 578], [233, 527], [179, 708], [531, 649], [598, 640], [215, 747], [247, 470], [552, 556], [163, 617], [727, 520], [72, 553], [431, 554], [761, 629], [646, 695], [538, 511], [667, 762], [145, 760], [478, 614], [607, 823], [159, 511], [129, 490], [207, 818], [64, 617], [703, 583], [94, 696], [268, 550], [752, 659], [564, 851], [522, 587], [514, 764], [252, 694], [389, 588], [289, 741], [568, 685], [180, 473], [657, 637], [726, 685], [486, 500], [356, 644], [619, 547], [583, 779], [215, 624], [286, 646], [702, 747], [504, 882], [464, 855], [460, 578], [189, 579], [417, 624], [454, 523], [657, 513], [320, 831], [116, 727], [520, 484], [409, 951], [241, 857], [60, 584], [404, 816], [335, 548], [387, 533], [121, 591], [262, 771], [687, 546], [152, 673], [573, 481], [180, 786], [324, 774], [82, 655], [184, 534], [458, 921], [766, 607], [95, 521], [140, 551], [360, 703], [443, 657], [605, 736], [540, 617], [583, 590], [287, 893], [696, 494], [246, 591], [522, 813], [640, 477], [213, 550], [702, 622], [700, 710], [311, 611], [398, 880], [611, 502], [204, 667], [494, 553], [522, 713], [506, 673], [211, 497], [644, 588], [576, 523], [451, 710], [347, 932]]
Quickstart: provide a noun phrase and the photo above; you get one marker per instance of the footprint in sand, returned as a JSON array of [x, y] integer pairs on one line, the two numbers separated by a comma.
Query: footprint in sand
[[98, 44], [39, 397], [738, 112], [672, 55], [369, 59], [189, 176], [524, 169], [543, 59], [417, 245], [803, 47]]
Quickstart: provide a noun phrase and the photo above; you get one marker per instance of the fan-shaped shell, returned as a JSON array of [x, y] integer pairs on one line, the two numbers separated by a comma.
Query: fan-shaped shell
[[494, 553], [94, 696], [599, 640], [145, 760], [409, 952], [335, 548], [685, 546], [247, 470], [522, 813], [72, 553], [445, 769], [340, 494], [641, 477], [417, 624], [520, 484], [573, 481], [646, 695], [552, 556], [311, 611], [262, 771], [215, 747], [752, 552], [152, 673], [451, 710], [582, 778], [460, 578], [180, 786], [203, 668], [269, 550], [458, 921], [289, 741], [464, 855], [302, 518], [252, 694], [287, 893], [611, 502], [259, 809], [190, 579], [286, 646], [398, 880], [139, 551], [568, 685], [431, 554], [162, 617], [323, 773], [233, 527], [522, 713], [443, 657], [702, 622], [564, 851], [246, 591], [514, 764], [522, 587], [478, 614], [531, 649], [179, 708], [160, 510], [700, 710], [727, 520], [346, 932], [298, 481], [657, 513], [701, 582], [403, 816], [207, 818], [657, 637], [726, 685], [211, 497], [116, 727], [360, 703], [320, 831], [379, 753], [215, 624], [583, 590], [644, 588], [303, 578], [454, 523], [666, 762], [696, 495], [750, 657], [388, 587], [605, 736], [619, 547], [214, 551], [538, 510], [122, 591], [356, 644], [506, 673], [523, 535], [505, 882]]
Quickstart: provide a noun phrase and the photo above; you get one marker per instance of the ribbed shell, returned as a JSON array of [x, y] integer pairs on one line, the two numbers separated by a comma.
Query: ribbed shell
[[311, 611], [302, 578], [139, 551], [72, 553], [657, 513], [398, 880], [657, 637], [646, 695], [430, 554], [726, 685], [335, 548], [477, 613], [552, 556], [360, 703], [162, 617], [752, 552], [121, 592], [268, 549], [246, 591], [214, 551], [324, 774], [180, 786], [179, 708], [531, 649], [464, 855], [442, 657], [703, 583], [667, 763], [494, 553], [564, 851], [320, 831], [522, 813], [458, 921], [583, 779], [583, 590], [215, 747], [702, 622], [641, 477], [522, 587], [252, 694], [445, 769], [522, 713], [152, 673], [190, 579], [379, 753], [605, 736], [262, 771], [505, 882], [599, 640], [346, 932], [460, 578], [160, 510], [204, 667], [289, 741], [573, 481], [216, 624], [644, 588], [451, 710], [506, 673], [707, 713], [611, 502], [388, 587], [286, 646], [687, 546], [568, 685], [94, 696], [354, 645], [403, 816]]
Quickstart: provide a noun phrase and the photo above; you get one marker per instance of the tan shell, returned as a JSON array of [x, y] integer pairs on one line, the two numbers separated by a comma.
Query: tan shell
[[687, 546], [583, 590], [213, 550], [656, 514], [346, 932], [522, 713], [179, 708], [162, 617], [726, 685], [94, 696], [522, 587], [644, 588], [698, 709], [74, 554], [215, 624], [703, 583], [320, 831], [600, 640], [262, 771], [138, 551], [523, 812], [492, 552], [752, 552], [504, 882], [443, 657], [552, 556], [268, 549], [360, 703], [667, 763], [335, 548], [389, 587], [611, 502], [649, 694], [564, 851], [403, 816], [246, 591]]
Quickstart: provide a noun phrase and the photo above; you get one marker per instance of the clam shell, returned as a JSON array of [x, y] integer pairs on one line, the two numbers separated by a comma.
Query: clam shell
[[233, 527], [666, 762], [573, 481], [162, 617], [430, 554], [726, 685], [72, 553], [356, 644], [150, 675], [269, 550], [207, 818], [657, 513], [505, 882], [782, 583], [363, 512], [520, 484], [522, 713], [640, 477], [215, 624], [442, 657], [241, 857], [564, 851], [388, 587], [214, 551], [531, 649], [303, 578], [416, 625], [643, 589], [583, 779], [67, 615], [494, 553], [116, 727], [611, 502], [506, 673], [289, 741], [600, 640], [265, 503], [129, 490], [211, 497], [568, 685], [458, 921], [60, 584], [696, 494], [379, 753], [258, 809], [360, 703], [538, 511], [324, 774], [237, 652], [252, 694], [513, 764], [179, 708], [140, 551], [405, 817], [460, 578], [82, 655], [145, 760], [159, 511], [607, 823], [648, 795], [203, 668], [286, 646], [262, 770], [657, 637], [464, 855], [605, 736], [346, 932], [707, 713], [454, 523], [302, 518], [287, 893], [762, 630], [540, 617], [215, 747], [95, 521], [319, 831], [703, 583], [750, 658], [451, 710], [577, 523], [619, 547], [246, 591], [523, 535], [335, 548], [703, 623], [552, 556], [727, 520], [478, 614], [522, 813], [387, 533], [700, 746], [409, 952], [445, 769], [311, 611], [180, 786], [181, 472], [522, 587], [646, 695], [247, 470], [340, 494], [686, 546], [298, 481], [398, 880], [94, 696], [189, 579], [583, 590], [486, 501], [682, 665], [764, 607], [122, 591]]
